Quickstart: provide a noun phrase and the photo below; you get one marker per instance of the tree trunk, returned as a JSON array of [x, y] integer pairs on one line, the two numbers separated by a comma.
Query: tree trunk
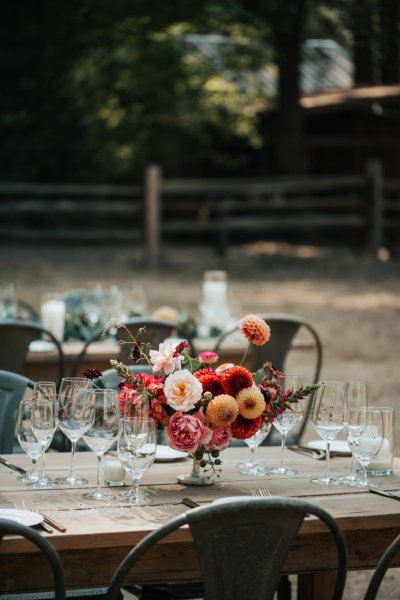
[[389, 41], [363, 25]]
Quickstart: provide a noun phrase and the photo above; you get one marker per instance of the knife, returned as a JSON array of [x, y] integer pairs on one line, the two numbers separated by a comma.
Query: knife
[[5, 462], [190, 503], [385, 493], [317, 454]]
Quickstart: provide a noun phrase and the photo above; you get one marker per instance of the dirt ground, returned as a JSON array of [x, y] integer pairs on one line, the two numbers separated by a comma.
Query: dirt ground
[[352, 300]]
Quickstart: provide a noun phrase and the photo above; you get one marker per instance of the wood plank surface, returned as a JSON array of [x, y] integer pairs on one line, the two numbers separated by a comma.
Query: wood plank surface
[[100, 534]]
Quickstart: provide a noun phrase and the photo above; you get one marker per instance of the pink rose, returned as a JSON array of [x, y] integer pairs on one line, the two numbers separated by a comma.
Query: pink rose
[[185, 432], [221, 437]]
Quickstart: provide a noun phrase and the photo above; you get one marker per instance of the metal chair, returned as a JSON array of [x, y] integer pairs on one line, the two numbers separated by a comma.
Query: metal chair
[[154, 332], [12, 390], [284, 328], [242, 546], [15, 337], [382, 567], [51, 555]]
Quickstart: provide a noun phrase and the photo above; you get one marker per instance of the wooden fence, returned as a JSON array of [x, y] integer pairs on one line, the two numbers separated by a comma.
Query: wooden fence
[[363, 207]]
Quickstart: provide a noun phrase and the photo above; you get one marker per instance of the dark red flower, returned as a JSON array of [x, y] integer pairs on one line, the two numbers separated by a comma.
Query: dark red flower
[[92, 373], [244, 428], [210, 381], [235, 379], [180, 348]]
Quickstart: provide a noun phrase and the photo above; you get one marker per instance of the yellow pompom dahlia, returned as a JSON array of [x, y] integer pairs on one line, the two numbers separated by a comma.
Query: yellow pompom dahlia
[[222, 410], [251, 403]]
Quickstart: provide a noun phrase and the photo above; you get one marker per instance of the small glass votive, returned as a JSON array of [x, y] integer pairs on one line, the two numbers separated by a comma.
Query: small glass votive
[[383, 462], [114, 472]]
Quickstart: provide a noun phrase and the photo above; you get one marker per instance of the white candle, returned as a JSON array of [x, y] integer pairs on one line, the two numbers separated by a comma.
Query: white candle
[[52, 315], [214, 292], [114, 472]]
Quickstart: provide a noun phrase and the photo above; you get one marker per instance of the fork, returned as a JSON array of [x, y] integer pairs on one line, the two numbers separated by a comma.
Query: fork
[[24, 505], [261, 492]]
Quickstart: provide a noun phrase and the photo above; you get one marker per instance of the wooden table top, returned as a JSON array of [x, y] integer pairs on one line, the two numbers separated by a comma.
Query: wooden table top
[[100, 534]]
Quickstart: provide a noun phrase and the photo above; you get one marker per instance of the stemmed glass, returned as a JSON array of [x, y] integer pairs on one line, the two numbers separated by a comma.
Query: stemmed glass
[[251, 467], [72, 397], [285, 421], [365, 437], [100, 425], [356, 396], [328, 420], [44, 426], [27, 439], [136, 450]]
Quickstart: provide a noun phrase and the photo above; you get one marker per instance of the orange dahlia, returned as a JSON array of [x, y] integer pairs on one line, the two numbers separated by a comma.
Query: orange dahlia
[[255, 330], [235, 379], [222, 410], [244, 428], [251, 403]]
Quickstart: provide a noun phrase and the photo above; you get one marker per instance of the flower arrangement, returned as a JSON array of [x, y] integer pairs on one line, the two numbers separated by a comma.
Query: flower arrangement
[[203, 406]]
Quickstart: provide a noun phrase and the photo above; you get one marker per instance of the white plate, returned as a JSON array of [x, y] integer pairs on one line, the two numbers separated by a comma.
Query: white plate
[[41, 346], [25, 517], [338, 446], [166, 454]]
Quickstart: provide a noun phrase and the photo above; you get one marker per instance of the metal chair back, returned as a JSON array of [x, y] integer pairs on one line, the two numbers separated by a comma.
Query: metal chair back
[[12, 390], [242, 546], [380, 571], [8, 527], [111, 380], [153, 333], [15, 337]]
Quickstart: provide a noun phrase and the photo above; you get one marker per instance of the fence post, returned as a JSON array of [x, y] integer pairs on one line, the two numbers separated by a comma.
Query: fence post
[[374, 183], [152, 209]]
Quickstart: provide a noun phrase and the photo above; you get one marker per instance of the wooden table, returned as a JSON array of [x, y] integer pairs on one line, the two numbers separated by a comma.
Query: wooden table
[[100, 534]]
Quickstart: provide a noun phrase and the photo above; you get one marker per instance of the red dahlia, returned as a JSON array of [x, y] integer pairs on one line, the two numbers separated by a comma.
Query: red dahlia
[[210, 381], [244, 428], [235, 379]]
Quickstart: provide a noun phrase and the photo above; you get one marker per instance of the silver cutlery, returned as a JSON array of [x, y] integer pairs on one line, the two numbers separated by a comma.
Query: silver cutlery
[[261, 493], [385, 494], [21, 505], [317, 454], [190, 503], [5, 462]]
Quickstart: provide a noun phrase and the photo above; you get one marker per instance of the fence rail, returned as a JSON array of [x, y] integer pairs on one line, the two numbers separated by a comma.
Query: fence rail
[[365, 207]]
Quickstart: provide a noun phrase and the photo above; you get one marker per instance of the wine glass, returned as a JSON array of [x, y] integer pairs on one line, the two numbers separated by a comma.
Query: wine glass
[[356, 396], [44, 426], [72, 397], [365, 437], [136, 402], [136, 450], [328, 415], [285, 421], [251, 467], [45, 390], [27, 439], [100, 422]]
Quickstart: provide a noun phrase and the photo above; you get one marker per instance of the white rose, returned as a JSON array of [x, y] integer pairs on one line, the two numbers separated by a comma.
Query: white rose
[[182, 390]]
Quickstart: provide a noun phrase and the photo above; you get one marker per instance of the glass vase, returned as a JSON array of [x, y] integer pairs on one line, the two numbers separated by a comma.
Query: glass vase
[[196, 477]]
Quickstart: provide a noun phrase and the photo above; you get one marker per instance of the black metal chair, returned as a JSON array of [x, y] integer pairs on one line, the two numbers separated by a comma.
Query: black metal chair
[[380, 571], [242, 546], [15, 337], [284, 329], [51, 555], [111, 380], [154, 331], [12, 389]]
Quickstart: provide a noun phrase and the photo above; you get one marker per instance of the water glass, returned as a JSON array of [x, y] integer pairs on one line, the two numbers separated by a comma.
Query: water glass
[[136, 450], [251, 467], [27, 440], [365, 437], [288, 419], [382, 464], [44, 426]]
